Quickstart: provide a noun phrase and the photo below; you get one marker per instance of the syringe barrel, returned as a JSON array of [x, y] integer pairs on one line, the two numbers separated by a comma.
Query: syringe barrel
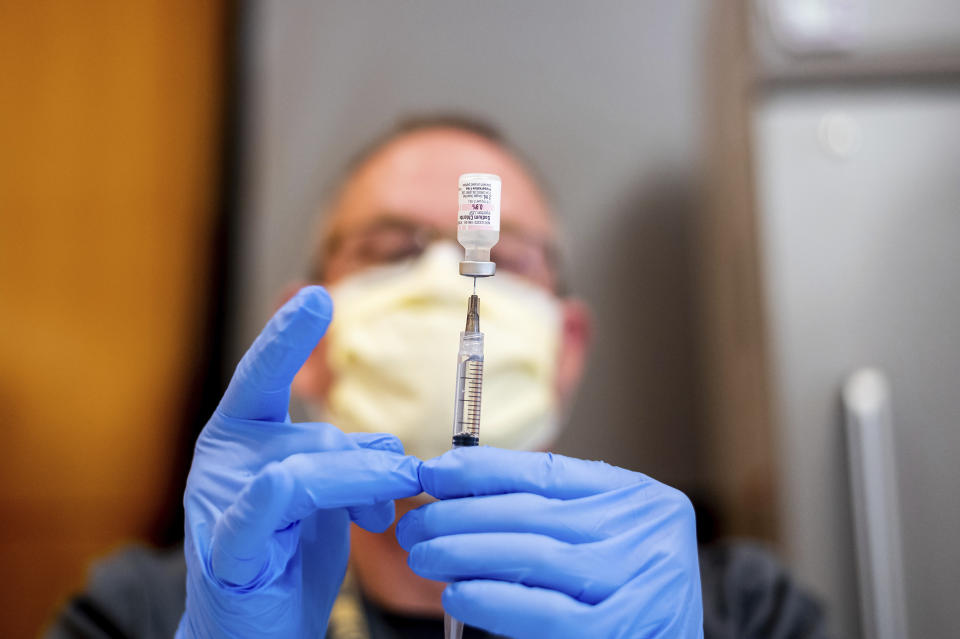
[[466, 418]]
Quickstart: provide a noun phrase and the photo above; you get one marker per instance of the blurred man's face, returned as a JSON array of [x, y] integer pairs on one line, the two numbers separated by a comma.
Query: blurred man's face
[[405, 196], [394, 205]]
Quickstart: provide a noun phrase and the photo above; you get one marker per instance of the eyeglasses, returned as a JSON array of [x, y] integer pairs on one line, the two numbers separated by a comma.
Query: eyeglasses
[[391, 240]]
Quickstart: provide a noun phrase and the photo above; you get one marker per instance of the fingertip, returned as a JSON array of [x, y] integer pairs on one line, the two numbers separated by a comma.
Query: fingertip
[[415, 558], [450, 474], [316, 299], [376, 518], [453, 600], [412, 466], [432, 470], [405, 529], [306, 315], [424, 476], [260, 386], [464, 600], [430, 559], [402, 469], [272, 485]]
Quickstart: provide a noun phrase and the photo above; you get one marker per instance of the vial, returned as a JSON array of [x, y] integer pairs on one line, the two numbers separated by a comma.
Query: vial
[[478, 222]]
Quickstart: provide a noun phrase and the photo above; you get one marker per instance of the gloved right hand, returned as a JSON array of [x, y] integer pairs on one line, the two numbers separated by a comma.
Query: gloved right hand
[[268, 502], [541, 545]]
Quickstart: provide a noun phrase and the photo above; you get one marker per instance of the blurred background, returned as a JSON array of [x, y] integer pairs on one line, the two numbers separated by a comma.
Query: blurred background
[[760, 198]]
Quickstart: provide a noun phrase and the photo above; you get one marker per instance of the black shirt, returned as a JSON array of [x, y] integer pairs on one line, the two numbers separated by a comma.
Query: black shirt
[[140, 593]]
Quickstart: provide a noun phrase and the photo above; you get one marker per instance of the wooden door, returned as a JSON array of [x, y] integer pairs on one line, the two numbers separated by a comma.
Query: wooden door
[[109, 137]]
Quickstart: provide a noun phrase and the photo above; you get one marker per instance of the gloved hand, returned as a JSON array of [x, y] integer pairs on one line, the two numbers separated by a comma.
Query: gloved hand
[[540, 545], [268, 502]]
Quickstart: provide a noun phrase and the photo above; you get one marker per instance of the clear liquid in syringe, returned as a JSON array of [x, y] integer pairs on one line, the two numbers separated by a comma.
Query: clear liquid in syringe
[[466, 430]]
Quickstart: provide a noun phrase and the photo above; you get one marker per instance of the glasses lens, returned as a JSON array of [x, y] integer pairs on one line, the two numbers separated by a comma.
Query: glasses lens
[[524, 256], [395, 242], [380, 245]]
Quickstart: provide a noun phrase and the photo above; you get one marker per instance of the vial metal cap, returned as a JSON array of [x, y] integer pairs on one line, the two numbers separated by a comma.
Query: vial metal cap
[[478, 269]]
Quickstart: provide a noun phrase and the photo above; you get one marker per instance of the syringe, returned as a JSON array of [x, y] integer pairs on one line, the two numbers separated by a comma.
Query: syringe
[[466, 414], [478, 229]]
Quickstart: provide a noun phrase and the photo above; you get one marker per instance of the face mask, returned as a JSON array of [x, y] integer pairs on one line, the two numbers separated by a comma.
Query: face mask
[[392, 351]]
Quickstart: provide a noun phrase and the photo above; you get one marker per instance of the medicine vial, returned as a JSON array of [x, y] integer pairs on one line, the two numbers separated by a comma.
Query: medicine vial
[[478, 222]]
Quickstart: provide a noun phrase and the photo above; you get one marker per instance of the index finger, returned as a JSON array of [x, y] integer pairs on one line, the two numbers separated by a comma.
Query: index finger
[[469, 472], [289, 491], [260, 387]]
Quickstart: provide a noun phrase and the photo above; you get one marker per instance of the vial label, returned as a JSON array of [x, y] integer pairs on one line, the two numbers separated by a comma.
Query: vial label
[[479, 205]]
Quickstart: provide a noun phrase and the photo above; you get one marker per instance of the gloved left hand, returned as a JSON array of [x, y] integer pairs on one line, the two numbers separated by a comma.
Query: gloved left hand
[[540, 545], [269, 502]]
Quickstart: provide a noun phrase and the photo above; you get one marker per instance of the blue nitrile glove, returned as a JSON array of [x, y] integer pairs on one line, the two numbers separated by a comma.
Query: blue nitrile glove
[[268, 502], [541, 545]]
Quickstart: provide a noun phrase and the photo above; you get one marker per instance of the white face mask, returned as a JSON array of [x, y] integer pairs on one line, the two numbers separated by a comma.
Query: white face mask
[[392, 351]]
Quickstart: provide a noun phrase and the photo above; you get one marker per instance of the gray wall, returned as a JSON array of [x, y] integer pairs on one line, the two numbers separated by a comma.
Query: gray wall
[[862, 246], [604, 96], [858, 189]]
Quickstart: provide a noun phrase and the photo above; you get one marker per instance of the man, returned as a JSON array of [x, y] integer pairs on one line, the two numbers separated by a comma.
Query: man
[[531, 544]]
